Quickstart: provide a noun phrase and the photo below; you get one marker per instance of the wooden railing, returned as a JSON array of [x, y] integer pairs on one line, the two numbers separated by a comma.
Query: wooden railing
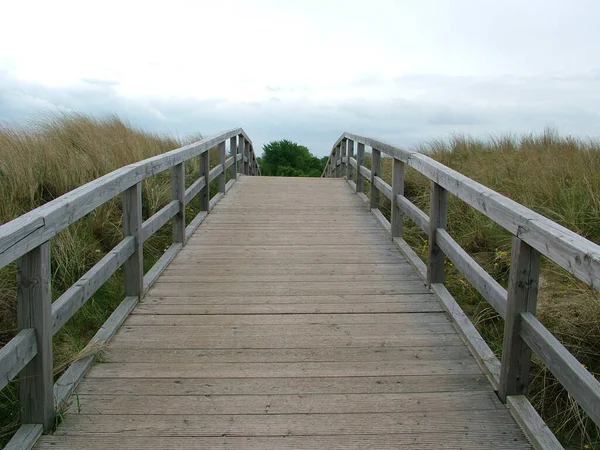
[[533, 235], [26, 240]]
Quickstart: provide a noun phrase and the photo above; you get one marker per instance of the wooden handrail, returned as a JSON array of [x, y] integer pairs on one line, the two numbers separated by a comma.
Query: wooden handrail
[[534, 235], [26, 241]]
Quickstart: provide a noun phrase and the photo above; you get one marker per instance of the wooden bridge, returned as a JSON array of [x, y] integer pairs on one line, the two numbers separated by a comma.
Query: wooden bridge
[[295, 316]]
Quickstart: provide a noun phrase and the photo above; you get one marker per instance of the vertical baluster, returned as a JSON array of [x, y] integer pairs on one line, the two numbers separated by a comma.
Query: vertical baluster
[[375, 170], [350, 155], [233, 151], [178, 194], [204, 193], [397, 189], [360, 161], [34, 310], [133, 268], [338, 167], [222, 175], [438, 219], [343, 165], [246, 159], [522, 297]]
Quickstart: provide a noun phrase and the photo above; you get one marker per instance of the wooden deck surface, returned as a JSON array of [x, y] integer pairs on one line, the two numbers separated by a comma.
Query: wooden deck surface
[[289, 320]]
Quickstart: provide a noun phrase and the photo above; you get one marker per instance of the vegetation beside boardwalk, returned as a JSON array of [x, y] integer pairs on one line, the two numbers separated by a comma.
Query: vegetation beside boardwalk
[[558, 177]]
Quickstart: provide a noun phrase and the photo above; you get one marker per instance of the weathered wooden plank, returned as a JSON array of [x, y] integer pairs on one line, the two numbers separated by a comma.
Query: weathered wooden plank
[[353, 162], [15, 231], [464, 440], [482, 352], [293, 424], [375, 172], [532, 424], [576, 379], [215, 172], [366, 173], [233, 150], [406, 355], [77, 295], [34, 298], [159, 266], [229, 184], [349, 159], [25, 437], [229, 162], [290, 268], [385, 224], [522, 297], [204, 192], [133, 267], [198, 276], [194, 189], [222, 177], [194, 224], [489, 288], [215, 200], [178, 195], [159, 219], [383, 187], [415, 214], [71, 378], [16, 354], [397, 217]]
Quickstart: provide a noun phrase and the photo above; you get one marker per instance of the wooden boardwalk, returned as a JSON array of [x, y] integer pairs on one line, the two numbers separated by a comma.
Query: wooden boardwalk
[[289, 320]]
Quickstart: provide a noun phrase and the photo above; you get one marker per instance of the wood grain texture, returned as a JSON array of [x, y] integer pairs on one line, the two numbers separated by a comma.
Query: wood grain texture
[[16, 354], [160, 218], [25, 437], [133, 267], [307, 323]]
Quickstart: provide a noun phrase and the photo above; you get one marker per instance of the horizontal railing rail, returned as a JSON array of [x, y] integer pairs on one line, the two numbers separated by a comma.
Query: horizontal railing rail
[[533, 235], [25, 241]]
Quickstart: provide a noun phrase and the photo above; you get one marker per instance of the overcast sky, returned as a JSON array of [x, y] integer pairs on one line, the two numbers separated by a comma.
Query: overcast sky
[[403, 71]]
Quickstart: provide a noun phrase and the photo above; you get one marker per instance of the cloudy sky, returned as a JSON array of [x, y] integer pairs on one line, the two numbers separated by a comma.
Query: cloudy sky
[[405, 71]]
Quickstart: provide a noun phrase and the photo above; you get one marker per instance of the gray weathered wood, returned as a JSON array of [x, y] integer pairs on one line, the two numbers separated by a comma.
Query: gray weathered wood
[[349, 167], [337, 162], [233, 149], [521, 297], [204, 192], [195, 223], [397, 221], [229, 185], [375, 172], [382, 220], [194, 189], [159, 219], [365, 172], [133, 267], [413, 212], [215, 200], [482, 352], [16, 354], [438, 219], [25, 437], [246, 157], [178, 195], [79, 293], [71, 378], [65, 210], [343, 167], [215, 172], [239, 156], [160, 265], [222, 180], [34, 310], [352, 185], [538, 433], [360, 160], [382, 186], [489, 288], [352, 162], [576, 379]]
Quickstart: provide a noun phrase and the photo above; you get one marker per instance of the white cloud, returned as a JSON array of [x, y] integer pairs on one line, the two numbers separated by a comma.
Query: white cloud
[[307, 70]]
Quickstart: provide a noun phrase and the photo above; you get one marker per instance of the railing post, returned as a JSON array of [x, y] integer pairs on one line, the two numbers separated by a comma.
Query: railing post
[[34, 310], [438, 219], [375, 168], [133, 268], [343, 167], [233, 151], [241, 147], [204, 193], [222, 175], [522, 297], [245, 158], [350, 155], [397, 189], [338, 152], [178, 193], [360, 160]]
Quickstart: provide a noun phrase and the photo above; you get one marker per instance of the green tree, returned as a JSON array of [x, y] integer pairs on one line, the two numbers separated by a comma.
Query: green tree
[[288, 159]]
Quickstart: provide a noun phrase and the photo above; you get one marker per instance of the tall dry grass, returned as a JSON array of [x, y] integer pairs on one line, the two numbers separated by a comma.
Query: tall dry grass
[[43, 160], [558, 177]]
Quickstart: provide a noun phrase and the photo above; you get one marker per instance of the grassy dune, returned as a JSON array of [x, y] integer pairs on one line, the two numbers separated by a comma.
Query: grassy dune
[[560, 178], [43, 160]]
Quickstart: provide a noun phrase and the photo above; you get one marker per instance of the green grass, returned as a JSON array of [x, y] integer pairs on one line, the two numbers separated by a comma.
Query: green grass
[[560, 178]]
